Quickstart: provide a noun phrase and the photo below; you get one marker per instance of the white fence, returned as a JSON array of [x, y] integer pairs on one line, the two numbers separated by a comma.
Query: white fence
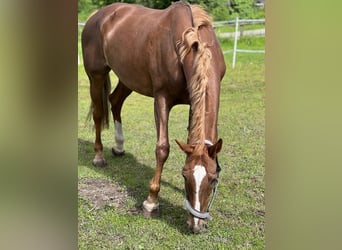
[[79, 60], [238, 24], [238, 34]]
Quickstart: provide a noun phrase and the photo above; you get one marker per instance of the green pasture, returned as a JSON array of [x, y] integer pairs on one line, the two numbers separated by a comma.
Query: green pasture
[[239, 207]]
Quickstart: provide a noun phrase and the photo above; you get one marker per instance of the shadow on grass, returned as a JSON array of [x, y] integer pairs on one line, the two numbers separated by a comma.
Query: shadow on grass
[[127, 171]]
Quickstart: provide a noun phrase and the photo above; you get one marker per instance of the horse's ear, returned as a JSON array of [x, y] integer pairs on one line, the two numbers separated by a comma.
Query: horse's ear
[[215, 149], [187, 148], [195, 45]]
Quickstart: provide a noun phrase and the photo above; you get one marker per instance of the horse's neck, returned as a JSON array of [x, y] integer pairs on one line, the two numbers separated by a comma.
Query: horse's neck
[[209, 122], [211, 112]]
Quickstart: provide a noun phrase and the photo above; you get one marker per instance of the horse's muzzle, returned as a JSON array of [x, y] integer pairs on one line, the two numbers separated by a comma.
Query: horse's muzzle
[[197, 228]]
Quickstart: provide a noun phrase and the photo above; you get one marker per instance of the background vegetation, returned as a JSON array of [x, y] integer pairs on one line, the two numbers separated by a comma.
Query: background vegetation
[[219, 9]]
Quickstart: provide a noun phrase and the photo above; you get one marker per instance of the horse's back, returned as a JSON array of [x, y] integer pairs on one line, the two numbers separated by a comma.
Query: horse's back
[[139, 44]]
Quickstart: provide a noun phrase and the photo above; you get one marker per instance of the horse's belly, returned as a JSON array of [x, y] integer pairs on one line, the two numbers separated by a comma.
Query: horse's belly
[[134, 80], [145, 75]]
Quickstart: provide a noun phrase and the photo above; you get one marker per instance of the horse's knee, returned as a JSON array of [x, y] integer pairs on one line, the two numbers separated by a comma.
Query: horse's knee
[[162, 152], [154, 187]]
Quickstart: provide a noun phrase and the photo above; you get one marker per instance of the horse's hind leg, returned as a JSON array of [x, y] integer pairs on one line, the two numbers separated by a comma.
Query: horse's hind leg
[[117, 99], [98, 85], [98, 73]]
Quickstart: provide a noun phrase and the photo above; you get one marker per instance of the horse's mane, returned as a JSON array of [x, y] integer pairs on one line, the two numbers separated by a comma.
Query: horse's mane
[[198, 83]]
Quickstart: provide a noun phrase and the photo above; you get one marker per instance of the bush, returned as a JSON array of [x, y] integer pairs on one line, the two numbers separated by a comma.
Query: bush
[[219, 9]]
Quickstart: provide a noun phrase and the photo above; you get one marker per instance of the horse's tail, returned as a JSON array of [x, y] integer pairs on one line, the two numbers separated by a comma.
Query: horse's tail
[[197, 84], [105, 104]]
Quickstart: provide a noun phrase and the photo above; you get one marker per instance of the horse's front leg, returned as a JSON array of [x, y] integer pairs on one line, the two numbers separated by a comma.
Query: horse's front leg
[[161, 113]]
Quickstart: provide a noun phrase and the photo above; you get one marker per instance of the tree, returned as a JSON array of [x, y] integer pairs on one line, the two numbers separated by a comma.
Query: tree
[[219, 9], [155, 4], [242, 8]]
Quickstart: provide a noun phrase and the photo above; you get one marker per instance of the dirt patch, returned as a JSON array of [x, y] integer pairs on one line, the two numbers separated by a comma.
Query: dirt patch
[[102, 192]]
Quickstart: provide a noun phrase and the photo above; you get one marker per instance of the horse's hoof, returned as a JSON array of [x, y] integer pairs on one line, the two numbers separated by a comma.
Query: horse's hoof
[[151, 214], [150, 210], [117, 153], [99, 163]]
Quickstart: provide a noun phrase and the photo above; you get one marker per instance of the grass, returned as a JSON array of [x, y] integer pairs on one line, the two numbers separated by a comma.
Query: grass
[[238, 209]]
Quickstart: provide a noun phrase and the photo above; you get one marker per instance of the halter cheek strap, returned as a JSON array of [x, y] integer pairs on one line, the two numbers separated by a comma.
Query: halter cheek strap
[[193, 211]]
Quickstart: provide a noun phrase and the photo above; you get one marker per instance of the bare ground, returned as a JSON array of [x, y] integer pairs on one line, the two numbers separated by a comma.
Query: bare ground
[[102, 192]]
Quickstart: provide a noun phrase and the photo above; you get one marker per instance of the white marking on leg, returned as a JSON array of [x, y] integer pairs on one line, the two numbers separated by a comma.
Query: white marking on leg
[[199, 174], [150, 206], [119, 137]]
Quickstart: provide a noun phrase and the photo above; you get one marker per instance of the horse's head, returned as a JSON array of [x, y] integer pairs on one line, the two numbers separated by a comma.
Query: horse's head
[[201, 172]]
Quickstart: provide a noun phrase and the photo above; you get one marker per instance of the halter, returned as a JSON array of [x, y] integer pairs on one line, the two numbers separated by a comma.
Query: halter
[[195, 212]]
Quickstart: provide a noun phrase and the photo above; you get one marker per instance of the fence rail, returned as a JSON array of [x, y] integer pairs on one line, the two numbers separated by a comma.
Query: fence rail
[[241, 22]]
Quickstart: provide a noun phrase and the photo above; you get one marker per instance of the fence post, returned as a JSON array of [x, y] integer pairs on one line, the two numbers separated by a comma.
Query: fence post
[[235, 41], [79, 55]]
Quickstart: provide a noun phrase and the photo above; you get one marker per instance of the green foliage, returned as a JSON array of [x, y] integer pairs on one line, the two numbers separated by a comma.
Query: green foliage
[[101, 3], [244, 9], [85, 8], [155, 4], [220, 12], [219, 9]]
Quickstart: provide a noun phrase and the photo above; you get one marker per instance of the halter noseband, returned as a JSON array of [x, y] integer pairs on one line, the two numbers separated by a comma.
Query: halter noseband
[[195, 212]]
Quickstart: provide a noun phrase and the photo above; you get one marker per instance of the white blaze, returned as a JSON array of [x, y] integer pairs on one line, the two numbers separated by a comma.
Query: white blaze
[[199, 174]]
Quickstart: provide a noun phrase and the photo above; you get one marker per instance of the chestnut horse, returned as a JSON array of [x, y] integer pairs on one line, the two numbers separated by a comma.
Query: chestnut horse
[[173, 56]]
